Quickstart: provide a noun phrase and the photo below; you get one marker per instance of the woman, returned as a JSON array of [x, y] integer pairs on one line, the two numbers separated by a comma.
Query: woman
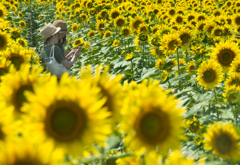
[[62, 35], [50, 36]]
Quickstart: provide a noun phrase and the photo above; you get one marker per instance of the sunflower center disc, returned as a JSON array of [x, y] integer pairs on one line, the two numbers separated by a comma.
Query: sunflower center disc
[[3, 71], [184, 38], [1, 41], [226, 57], [65, 121], [209, 75], [194, 127], [20, 97], [224, 144], [1, 13], [153, 127], [238, 20], [16, 60], [172, 45], [233, 98]]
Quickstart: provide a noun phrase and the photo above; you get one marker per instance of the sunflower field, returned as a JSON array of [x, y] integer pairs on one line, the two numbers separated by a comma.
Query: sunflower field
[[157, 83]]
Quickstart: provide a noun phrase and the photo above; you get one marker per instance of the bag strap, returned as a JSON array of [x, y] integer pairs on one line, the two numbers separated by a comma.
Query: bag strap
[[52, 50]]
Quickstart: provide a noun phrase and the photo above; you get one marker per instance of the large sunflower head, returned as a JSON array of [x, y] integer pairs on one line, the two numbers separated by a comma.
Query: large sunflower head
[[107, 33], [191, 67], [232, 94], [222, 140], [91, 34], [217, 31], [74, 28], [114, 13], [78, 42], [233, 79], [67, 120], [224, 53], [209, 74], [109, 87], [17, 55], [236, 19], [4, 40], [148, 123], [15, 32], [29, 154], [15, 85], [135, 22], [23, 42], [120, 21], [169, 43], [3, 11], [185, 36], [160, 64], [100, 26], [126, 31]]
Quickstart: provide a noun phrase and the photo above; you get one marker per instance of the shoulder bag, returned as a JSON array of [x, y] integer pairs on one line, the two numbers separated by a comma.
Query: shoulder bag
[[53, 66]]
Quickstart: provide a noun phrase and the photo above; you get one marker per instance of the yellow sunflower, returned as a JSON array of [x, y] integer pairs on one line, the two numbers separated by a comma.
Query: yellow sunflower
[[15, 32], [4, 40], [194, 125], [160, 64], [135, 22], [129, 160], [231, 94], [74, 28], [119, 21], [17, 55], [129, 56], [114, 13], [91, 34], [109, 88], [191, 67], [21, 41], [22, 24], [20, 14], [163, 76], [116, 43], [236, 20], [125, 31], [222, 140], [107, 33], [233, 79], [235, 66], [78, 42], [15, 84], [27, 153], [169, 43], [224, 53], [5, 67], [3, 11], [209, 27], [68, 116], [217, 31], [143, 28], [209, 74], [100, 26], [177, 158], [185, 36], [147, 121]]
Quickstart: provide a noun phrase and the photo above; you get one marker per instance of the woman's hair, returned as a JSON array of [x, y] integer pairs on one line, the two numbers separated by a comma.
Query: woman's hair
[[49, 39], [61, 43]]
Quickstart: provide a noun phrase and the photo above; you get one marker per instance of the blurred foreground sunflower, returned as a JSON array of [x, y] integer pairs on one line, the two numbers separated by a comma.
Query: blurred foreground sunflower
[[148, 123], [222, 140], [68, 114]]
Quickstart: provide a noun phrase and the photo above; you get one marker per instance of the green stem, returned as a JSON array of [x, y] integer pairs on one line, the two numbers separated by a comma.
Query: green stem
[[178, 62], [186, 56], [234, 114], [132, 69], [102, 157], [216, 103]]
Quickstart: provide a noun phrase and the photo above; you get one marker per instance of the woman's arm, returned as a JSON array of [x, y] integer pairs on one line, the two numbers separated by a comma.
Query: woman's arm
[[68, 64]]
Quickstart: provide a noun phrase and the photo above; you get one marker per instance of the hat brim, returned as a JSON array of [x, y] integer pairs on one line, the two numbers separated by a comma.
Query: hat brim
[[57, 30], [65, 32]]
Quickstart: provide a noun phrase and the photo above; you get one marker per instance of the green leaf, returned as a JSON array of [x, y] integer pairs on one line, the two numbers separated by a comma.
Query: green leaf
[[112, 141], [128, 72], [196, 108]]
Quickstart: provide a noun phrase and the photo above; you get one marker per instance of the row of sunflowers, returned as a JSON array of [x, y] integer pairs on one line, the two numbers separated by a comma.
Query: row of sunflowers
[[157, 83]]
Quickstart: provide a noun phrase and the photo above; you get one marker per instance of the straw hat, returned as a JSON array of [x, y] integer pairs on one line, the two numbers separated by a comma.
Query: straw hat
[[48, 31], [62, 24]]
